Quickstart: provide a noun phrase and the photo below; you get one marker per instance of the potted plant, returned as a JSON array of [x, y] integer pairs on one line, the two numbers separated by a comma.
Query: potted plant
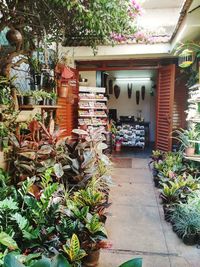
[[187, 139], [53, 98], [28, 98], [5, 91]]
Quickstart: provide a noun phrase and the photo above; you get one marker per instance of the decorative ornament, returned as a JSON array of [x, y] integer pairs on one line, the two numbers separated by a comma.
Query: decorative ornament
[[110, 87], [137, 97], [14, 38], [129, 90], [143, 92], [186, 58], [116, 91]]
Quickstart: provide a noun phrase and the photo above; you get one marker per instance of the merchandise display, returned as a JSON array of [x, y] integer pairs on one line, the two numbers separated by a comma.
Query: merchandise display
[[92, 107], [132, 136]]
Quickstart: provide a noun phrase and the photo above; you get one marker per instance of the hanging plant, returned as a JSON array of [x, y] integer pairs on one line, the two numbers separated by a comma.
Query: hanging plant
[[116, 91], [143, 92], [129, 90]]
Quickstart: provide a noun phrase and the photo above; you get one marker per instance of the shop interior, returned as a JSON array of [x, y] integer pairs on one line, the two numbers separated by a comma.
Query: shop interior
[[131, 106]]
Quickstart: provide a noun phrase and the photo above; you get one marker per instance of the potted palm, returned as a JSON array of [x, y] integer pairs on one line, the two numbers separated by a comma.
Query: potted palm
[[187, 139]]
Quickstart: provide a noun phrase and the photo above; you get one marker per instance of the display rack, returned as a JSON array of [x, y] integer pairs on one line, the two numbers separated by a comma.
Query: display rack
[[92, 110], [193, 114], [131, 135]]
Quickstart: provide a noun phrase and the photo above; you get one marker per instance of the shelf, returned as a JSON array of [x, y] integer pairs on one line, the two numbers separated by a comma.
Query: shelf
[[88, 89], [93, 108], [96, 124], [93, 99], [24, 107], [194, 100], [93, 116], [195, 158]]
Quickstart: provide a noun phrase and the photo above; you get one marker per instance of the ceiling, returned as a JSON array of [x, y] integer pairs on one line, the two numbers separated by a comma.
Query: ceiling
[[162, 4], [160, 16]]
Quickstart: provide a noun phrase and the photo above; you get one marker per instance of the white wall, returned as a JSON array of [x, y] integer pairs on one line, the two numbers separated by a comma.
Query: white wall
[[126, 106], [90, 75]]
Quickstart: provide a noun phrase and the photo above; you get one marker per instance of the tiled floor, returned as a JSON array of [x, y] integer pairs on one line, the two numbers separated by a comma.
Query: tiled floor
[[136, 226]]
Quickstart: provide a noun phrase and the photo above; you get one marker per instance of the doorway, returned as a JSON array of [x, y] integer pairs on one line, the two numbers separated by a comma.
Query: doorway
[[160, 106]]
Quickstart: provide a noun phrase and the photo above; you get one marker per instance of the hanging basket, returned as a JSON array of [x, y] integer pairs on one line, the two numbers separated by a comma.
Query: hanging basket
[[186, 58]]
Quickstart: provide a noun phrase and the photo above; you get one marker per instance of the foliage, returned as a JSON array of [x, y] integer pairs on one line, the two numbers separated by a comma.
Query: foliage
[[85, 22], [73, 250], [186, 136], [58, 261], [132, 263]]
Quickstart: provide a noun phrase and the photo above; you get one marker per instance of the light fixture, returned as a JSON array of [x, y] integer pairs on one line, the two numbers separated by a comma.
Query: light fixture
[[134, 79]]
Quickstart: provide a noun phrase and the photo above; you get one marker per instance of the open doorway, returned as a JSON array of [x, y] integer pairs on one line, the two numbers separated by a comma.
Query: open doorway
[[132, 106]]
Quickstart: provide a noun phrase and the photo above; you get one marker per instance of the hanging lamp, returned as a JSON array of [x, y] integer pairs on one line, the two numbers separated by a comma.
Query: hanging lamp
[[186, 58]]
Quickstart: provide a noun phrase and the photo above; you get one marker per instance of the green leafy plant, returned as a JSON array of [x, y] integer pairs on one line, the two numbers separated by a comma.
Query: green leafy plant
[[186, 137], [133, 263], [58, 261], [73, 251]]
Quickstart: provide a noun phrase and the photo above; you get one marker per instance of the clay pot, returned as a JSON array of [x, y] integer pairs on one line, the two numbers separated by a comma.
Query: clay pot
[[14, 37], [92, 258], [63, 90], [189, 151]]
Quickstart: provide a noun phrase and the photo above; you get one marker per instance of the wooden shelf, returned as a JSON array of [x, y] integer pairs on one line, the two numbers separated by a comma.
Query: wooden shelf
[[102, 108], [93, 116], [27, 107], [93, 99], [194, 158]]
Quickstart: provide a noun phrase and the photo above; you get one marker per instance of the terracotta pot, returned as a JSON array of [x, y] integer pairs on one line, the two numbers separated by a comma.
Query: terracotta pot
[[92, 259], [189, 151], [63, 90]]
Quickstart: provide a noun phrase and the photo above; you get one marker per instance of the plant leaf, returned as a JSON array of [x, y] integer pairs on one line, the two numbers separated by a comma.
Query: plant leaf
[[60, 261], [11, 261], [7, 241], [133, 263]]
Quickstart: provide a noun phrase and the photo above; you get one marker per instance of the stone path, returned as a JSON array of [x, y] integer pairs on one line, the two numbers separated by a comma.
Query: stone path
[[136, 225]]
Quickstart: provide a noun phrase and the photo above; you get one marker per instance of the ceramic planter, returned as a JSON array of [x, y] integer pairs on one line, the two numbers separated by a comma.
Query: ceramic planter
[[29, 100], [189, 151], [92, 258]]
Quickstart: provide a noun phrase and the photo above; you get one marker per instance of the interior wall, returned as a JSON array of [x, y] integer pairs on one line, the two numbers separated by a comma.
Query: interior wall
[[90, 75], [128, 107]]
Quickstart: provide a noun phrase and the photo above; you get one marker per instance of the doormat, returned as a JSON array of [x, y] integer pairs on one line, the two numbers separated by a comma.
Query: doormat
[[122, 162]]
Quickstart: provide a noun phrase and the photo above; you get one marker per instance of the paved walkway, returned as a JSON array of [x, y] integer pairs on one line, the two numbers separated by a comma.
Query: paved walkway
[[136, 226]]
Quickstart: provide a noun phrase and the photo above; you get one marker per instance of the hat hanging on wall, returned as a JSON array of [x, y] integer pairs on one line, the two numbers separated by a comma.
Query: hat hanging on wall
[[137, 97], [129, 90], [116, 90], [110, 87], [143, 92]]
